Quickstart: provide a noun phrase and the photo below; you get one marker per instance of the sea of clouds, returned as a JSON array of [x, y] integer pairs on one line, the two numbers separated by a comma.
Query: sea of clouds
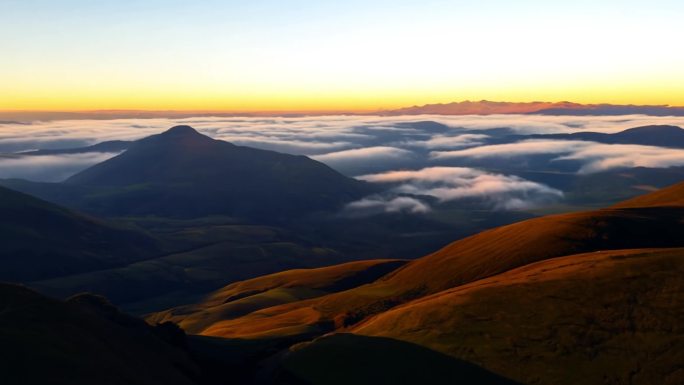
[[393, 151]]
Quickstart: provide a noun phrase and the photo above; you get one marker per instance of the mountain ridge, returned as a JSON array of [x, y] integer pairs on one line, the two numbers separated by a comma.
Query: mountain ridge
[[486, 107]]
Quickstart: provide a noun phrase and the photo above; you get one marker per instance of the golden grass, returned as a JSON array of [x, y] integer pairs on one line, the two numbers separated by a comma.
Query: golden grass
[[605, 317]]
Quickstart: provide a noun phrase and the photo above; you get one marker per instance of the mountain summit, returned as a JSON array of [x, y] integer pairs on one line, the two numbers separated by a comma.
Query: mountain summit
[[181, 130], [183, 173]]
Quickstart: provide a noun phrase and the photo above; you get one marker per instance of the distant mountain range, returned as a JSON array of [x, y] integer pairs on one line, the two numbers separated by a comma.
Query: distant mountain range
[[485, 107], [482, 107]]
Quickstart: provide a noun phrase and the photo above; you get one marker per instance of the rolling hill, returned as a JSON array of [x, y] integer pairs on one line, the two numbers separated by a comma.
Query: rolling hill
[[480, 256], [42, 240], [604, 317], [245, 297], [672, 196]]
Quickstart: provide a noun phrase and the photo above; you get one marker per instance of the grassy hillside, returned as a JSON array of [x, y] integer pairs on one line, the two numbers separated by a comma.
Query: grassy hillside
[[41, 240], [601, 318], [187, 276], [488, 253], [241, 298], [672, 196]]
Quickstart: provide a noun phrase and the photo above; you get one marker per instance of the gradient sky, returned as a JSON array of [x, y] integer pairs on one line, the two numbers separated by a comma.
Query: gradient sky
[[333, 55]]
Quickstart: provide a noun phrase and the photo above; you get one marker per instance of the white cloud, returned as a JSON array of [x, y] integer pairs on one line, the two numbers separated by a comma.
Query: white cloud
[[595, 156], [501, 192], [523, 148], [378, 204], [49, 168], [450, 142], [366, 154], [602, 157]]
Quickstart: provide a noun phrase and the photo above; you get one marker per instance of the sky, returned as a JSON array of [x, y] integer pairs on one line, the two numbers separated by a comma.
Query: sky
[[295, 55]]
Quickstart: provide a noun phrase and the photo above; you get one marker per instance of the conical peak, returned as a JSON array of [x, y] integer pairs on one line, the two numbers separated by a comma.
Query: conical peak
[[181, 130]]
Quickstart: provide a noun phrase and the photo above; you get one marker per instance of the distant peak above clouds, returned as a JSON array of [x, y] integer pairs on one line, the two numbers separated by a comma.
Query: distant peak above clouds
[[486, 107]]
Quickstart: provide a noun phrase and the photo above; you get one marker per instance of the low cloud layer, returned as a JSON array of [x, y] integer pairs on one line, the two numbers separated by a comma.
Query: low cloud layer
[[48, 168], [381, 205], [363, 155], [354, 145], [445, 184], [595, 157]]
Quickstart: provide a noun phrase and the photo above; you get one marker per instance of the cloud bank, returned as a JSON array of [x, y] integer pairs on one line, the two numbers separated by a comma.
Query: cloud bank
[[596, 157], [354, 145], [445, 184], [48, 168]]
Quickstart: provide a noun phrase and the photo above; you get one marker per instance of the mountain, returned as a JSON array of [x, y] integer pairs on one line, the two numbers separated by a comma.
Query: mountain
[[614, 110], [482, 107], [486, 107], [182, 173], [85, 341], [663, 136], [42, 240]]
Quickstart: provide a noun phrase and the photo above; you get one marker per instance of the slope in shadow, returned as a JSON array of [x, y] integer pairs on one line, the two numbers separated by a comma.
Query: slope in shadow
[[354, 359]]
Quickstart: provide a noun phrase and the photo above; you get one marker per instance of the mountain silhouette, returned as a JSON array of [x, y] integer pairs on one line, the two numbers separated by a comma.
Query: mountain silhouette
[[182, 173]]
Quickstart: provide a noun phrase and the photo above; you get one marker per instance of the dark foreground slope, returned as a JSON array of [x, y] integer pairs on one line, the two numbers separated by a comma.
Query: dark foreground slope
[[41, 240], [84, 341], [354, 359]]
